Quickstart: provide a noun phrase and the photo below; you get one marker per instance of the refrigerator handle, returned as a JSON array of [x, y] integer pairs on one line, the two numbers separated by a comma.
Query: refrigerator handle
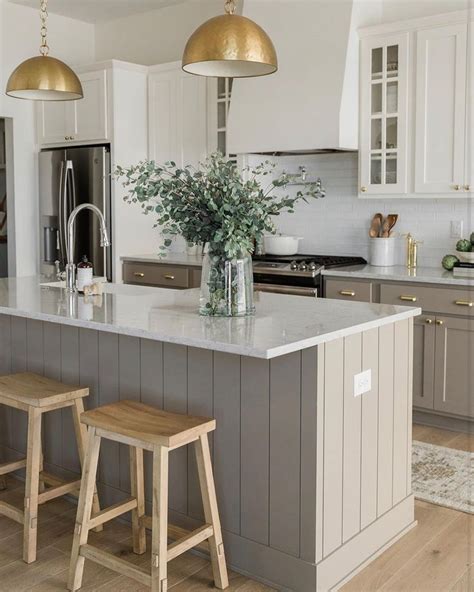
[[69, 198], [62, 214]]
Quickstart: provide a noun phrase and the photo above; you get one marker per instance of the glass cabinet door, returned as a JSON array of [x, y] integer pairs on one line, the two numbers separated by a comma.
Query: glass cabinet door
[[383, 116]]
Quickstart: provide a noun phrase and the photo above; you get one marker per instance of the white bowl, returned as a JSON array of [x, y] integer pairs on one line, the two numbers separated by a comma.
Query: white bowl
[[279, 244], [468, 257]]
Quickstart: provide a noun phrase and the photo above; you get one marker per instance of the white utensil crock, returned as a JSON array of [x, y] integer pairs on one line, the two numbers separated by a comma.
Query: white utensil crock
[[382, 252]]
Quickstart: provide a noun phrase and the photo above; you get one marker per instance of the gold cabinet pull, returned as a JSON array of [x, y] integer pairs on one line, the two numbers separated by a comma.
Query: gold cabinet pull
[[429, 321], [347, 293], [464, 303], [168, 276], [467, 187], [439, 322], [408, 298], [457, 187], [139, 274], [363, 189]]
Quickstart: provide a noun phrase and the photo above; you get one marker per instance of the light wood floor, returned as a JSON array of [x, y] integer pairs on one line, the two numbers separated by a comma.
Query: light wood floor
[[433, 557]]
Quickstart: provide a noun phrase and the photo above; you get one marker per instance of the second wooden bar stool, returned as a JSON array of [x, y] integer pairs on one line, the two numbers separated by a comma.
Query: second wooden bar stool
[[143, 427]]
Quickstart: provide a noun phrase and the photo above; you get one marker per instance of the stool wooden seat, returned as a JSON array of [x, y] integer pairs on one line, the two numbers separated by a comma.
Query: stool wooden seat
[[37, 395], [143, 427]]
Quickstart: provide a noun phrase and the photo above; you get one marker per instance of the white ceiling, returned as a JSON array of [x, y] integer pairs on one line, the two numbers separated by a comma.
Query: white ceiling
[[96, 11]]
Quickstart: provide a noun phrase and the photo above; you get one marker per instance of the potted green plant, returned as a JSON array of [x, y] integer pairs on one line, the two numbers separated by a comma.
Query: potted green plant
[[218, 206]]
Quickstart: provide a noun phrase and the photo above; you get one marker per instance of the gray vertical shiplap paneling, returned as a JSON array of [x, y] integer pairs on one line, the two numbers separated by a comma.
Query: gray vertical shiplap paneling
[[285, 453], [385, 442], [321, 398], [351, 438], [333, 445], [5, 368], [89, 365], [309, 434], [19, 364], [34, 346], [255, 449], [370, 360], [109, 461], [129, 389], [151, 392], [200, 402], [410, 405], [227, 438], [175, 381], [400, 425], [52, 422], [69, 375]]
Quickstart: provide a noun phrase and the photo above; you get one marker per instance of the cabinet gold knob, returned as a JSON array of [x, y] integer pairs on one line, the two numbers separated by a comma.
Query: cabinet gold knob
[[363, 189], [467, 187], [168, 276], [408, 298], [457, 187], [439, 322], [139, 274], [347, 293], [429, 321], [464, 303]]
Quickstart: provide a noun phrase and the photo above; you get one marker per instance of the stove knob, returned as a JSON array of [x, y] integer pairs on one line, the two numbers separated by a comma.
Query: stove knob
[[293, 265], [303, 266], [312, 266]]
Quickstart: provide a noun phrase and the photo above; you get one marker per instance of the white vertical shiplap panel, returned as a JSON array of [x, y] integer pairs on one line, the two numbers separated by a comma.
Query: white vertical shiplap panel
[[333, 445], [410, 405], [385, 443], [370, 432], [320, 452], [400, 403], [352, 361]]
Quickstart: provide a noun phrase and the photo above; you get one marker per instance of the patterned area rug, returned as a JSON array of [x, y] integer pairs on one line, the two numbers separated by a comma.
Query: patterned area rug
[[443, 476]]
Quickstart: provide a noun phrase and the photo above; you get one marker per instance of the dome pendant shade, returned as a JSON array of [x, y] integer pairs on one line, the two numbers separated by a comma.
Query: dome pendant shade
[[44, 78], [230, 46]]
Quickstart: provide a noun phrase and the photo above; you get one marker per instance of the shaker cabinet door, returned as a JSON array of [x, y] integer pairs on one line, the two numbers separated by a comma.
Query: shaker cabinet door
[[90, 121], [55, 122], [423, 361], [454, 366], [441, 73]]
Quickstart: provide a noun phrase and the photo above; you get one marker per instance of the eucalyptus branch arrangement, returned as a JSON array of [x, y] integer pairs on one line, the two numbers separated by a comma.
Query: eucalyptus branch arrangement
[[214, 204]]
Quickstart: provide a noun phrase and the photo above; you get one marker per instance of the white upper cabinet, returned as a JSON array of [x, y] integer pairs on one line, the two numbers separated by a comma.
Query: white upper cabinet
[[383, 115], [177, 116], [81, 121], [441, 110], [416, 117]]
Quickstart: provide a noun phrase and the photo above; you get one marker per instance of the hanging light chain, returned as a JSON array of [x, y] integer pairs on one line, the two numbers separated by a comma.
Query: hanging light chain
[[44, 48], [230, 6]]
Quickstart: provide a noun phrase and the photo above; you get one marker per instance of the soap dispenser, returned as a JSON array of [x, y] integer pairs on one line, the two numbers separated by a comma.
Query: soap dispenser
[[412, 251]]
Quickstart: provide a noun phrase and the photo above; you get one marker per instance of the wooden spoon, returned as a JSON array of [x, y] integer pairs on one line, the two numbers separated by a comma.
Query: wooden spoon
[[376, 226], [388, 224]]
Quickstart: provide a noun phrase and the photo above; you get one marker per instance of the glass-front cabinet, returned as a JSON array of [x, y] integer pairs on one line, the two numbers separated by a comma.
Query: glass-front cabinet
[[383, 115]]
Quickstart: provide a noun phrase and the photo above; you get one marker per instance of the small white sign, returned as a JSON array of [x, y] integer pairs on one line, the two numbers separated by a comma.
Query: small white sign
[[362, 383]]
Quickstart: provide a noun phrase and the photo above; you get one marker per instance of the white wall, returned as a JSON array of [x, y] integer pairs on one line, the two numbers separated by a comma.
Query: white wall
[[154, 37], [71, 41], [339, 223], [395, 10]]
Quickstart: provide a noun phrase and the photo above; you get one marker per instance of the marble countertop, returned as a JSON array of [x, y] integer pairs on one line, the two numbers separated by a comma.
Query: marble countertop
[[168, 258], [282, 324], [431, 275]]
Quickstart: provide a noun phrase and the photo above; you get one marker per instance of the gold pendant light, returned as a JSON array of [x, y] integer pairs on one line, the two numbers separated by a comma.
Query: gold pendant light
[[44, 78], [230, 46]]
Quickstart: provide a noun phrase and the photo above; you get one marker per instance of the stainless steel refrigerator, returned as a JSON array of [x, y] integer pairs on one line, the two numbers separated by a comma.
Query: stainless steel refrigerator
[[68, 178]]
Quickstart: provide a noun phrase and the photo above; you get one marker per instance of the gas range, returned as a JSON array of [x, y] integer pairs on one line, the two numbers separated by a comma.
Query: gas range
[[296, 274]]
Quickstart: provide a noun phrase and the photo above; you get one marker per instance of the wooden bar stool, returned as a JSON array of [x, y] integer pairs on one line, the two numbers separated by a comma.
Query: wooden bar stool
[[37, 395], [146, 428]]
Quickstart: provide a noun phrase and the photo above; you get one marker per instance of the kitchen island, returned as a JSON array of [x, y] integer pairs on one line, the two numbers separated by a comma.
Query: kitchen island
[[313, 482]]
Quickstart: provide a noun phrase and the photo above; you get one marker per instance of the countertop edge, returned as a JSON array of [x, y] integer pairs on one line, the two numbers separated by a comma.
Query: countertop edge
[[266, 354], [373, 275]]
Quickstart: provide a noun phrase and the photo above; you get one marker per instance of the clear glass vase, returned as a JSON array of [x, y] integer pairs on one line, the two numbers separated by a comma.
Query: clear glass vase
[[227, 286]]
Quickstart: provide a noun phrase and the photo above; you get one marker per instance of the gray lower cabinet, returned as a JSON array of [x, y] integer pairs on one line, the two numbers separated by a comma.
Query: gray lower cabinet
[[348, 290], [178, 277]]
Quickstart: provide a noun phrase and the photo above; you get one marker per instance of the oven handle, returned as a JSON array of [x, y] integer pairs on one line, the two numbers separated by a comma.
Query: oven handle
[[291, 290]]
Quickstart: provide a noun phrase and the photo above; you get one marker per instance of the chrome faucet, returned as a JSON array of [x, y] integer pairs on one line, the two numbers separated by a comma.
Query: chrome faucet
[[104, 242]]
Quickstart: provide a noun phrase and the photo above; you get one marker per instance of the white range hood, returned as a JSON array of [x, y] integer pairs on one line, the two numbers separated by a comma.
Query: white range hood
[[311, 104]]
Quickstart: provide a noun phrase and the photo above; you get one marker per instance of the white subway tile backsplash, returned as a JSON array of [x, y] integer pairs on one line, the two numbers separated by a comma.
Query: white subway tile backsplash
[[339, 223]]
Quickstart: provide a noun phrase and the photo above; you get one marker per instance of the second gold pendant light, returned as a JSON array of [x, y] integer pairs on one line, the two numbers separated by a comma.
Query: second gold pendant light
[[43, 78], [230, 46]]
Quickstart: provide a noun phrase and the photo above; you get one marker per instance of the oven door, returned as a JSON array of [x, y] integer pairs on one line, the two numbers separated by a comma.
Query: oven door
[[291, 290]]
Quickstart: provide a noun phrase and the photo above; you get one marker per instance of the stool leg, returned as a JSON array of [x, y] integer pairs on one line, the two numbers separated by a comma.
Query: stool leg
[[84, 510], [211, 512], [81, 438], [137, 481], [159, 550], [33, 459], [3, 483], [41, 469]]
